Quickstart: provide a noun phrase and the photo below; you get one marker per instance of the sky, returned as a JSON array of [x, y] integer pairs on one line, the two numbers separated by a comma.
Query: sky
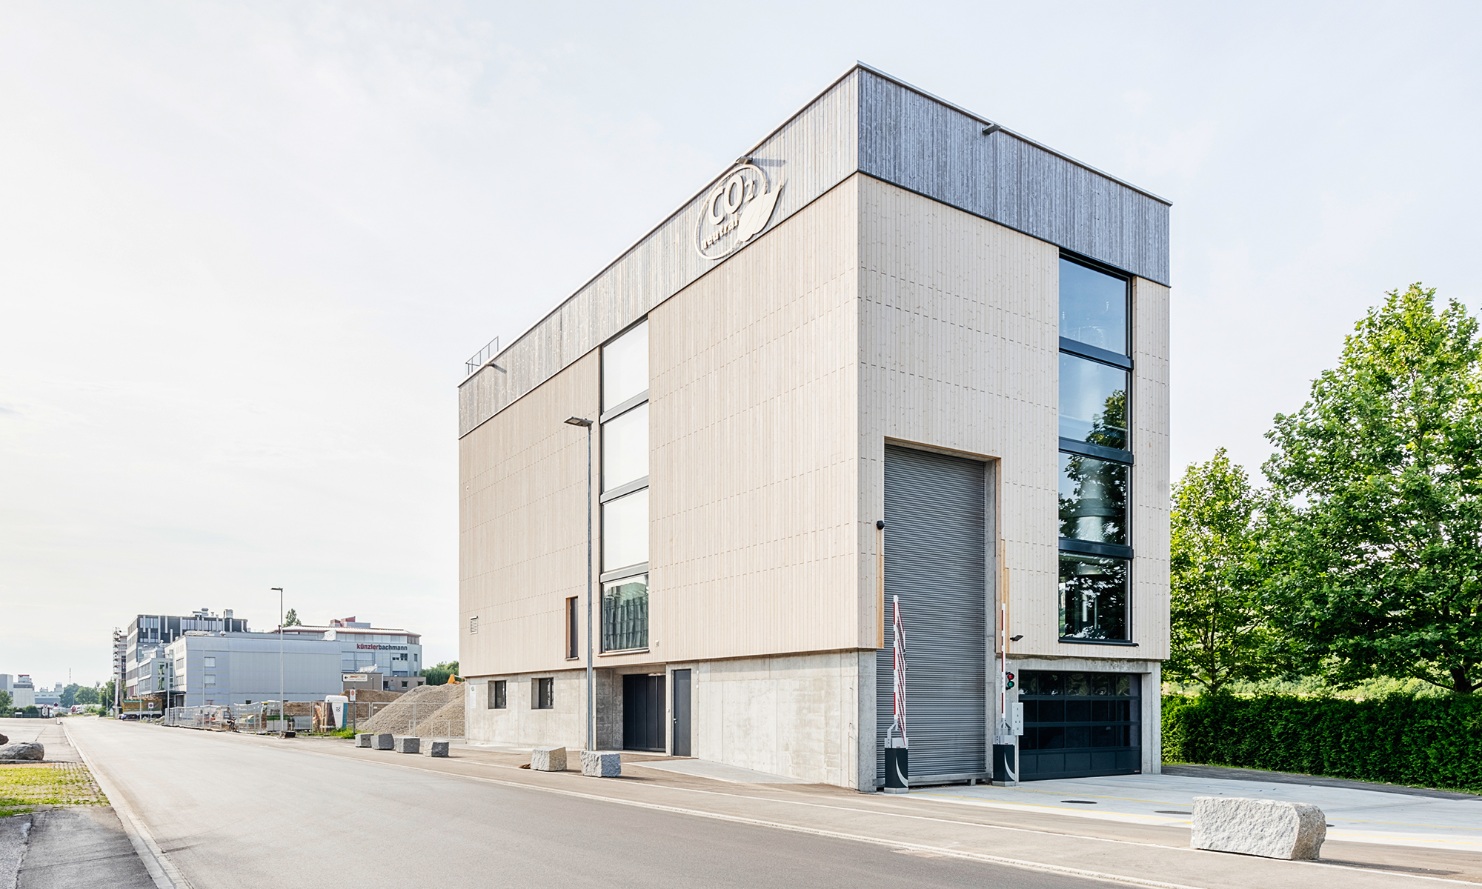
[[246, 248]]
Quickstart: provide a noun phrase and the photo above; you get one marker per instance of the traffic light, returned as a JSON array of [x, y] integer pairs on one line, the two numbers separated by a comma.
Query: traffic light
[[1008, 681]]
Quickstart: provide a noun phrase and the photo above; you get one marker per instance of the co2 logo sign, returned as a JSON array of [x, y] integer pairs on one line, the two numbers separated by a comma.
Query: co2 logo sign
[[735, 211]]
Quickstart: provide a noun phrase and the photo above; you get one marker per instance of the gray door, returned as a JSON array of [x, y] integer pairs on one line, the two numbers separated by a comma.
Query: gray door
[[936, 561], [681, 741]]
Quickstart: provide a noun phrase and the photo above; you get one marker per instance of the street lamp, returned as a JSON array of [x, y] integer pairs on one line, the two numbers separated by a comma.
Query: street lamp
[[591, 683], [282, 707]]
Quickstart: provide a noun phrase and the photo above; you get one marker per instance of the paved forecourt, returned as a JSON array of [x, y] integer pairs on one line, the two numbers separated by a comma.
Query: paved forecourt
[[233, 810]]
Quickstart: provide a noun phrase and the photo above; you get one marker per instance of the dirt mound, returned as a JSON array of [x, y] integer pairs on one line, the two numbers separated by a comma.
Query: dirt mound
[[429, 711]]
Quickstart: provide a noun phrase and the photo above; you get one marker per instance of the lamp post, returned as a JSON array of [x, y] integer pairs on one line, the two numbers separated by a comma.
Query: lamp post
[[282, 706], [591, 683]]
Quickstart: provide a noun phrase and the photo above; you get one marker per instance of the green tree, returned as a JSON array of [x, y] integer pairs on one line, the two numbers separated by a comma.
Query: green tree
[[6, 703], [69, 694], [105, 695], [291, 619], [1220, 628], [439, 674], [88, 696], [1381, 544]]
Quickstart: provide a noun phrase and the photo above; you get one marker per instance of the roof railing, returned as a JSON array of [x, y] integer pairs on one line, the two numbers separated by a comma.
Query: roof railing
[[481, 357]]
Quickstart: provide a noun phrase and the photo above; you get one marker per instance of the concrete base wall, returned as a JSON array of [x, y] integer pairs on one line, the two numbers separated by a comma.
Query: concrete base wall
[[519, 724], [795, 715]]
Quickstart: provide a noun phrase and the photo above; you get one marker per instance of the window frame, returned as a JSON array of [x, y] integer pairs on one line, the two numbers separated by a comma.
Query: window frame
[[1074, 547], [572, 629], [543, 693], [617, 578], [498, 695]]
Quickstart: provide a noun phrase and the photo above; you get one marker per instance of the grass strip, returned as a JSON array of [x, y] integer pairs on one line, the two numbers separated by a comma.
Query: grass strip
[[25, 786]]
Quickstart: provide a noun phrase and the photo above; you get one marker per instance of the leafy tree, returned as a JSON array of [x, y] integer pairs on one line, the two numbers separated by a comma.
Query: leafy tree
[[291, 619], [6, 703], [1220, 629], [88, 696], [1381, 471], [105, 694], [69, 694], [439, 674]]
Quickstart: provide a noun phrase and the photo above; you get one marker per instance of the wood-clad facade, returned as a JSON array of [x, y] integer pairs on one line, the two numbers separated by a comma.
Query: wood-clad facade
[[903, 293]]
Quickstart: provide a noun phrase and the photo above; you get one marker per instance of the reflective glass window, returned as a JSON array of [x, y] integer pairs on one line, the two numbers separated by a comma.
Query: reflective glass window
[[625, 531], [625, 614], [1093, 598], [625, 448], [625, 367], [1093, 499], [1093, 402], [1093, 307]]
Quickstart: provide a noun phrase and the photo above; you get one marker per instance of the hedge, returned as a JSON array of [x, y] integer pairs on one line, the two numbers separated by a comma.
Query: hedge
[[1421, 742]]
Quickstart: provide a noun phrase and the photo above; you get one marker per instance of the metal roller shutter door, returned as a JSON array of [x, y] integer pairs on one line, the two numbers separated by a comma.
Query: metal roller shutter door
[[936, 561]]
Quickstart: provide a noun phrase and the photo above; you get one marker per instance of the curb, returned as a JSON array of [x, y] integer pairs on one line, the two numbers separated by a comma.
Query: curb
[[160, 868]]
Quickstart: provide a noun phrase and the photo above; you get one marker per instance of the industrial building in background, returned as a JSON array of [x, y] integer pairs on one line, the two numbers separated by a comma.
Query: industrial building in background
[[894, 350], [211, 661], [148, 634]]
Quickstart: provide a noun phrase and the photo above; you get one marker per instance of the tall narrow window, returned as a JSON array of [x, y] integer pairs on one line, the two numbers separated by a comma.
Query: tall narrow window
[[497, 699], [625, 480], [571, 635], [1095, 454]]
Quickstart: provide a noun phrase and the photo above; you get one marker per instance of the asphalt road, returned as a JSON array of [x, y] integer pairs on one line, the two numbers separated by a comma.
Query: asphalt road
[[235, 812]]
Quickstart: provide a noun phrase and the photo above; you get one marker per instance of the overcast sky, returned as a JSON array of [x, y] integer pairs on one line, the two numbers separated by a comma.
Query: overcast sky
[[245, 248]]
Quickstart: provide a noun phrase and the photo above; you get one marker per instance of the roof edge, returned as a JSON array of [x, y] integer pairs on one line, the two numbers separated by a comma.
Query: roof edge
[[862, 66]]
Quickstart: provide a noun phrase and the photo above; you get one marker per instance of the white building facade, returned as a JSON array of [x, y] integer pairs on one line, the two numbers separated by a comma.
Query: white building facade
[[395, 653], [896, 352]]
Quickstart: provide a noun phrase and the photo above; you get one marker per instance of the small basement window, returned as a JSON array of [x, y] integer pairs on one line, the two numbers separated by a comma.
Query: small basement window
[[542, 694]]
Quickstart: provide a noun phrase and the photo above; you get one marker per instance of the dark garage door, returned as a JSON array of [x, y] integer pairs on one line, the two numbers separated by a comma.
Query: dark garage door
[[935, 561], [1077, 725]]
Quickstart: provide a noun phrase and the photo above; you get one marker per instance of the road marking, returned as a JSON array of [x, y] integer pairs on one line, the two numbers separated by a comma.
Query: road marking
[[161, 869]]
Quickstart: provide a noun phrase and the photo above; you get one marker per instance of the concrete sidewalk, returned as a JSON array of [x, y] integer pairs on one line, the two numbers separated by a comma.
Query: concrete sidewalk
[[64, 847], [1046, 839], [1355, 813]]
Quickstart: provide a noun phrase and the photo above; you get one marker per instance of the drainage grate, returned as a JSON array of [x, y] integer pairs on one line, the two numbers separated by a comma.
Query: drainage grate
[[1080, 802]]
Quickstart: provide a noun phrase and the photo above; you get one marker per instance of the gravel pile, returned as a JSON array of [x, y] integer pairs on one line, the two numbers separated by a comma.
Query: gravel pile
[[436, 709]]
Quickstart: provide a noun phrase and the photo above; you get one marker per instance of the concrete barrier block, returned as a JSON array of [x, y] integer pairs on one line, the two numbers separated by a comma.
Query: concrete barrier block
[[1265, 827], [363, 739], [409, 744], [382, 742], [548, 759], [435, 748], [601, 765]]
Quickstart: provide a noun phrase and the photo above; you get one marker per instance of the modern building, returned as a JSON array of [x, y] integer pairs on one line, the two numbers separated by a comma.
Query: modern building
[[396, 653], [894, 352], [204, 669], [22, 692], [148, 634]]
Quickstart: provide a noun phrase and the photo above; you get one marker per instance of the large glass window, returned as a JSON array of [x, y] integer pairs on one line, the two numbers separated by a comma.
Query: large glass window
[[625, 531], [625, 448], [1093, 307], [1093, 499], [1093, 402], [1095, 453], [625, 367], [625, 614], [1093, 597]]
